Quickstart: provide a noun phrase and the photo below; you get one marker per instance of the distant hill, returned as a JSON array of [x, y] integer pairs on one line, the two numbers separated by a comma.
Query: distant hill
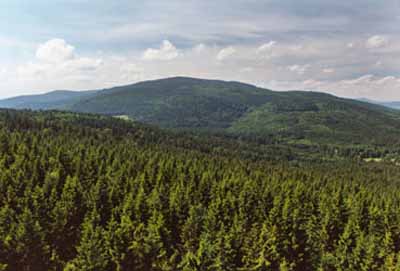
[[232, 107], [393, 104], [58, 99]]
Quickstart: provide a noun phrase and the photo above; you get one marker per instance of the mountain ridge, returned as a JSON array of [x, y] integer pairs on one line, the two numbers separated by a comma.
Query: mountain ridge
[[56, 99], [390, 104], [234, 107]]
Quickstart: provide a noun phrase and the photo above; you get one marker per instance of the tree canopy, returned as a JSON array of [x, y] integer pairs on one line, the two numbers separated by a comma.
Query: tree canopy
[[84, 192]]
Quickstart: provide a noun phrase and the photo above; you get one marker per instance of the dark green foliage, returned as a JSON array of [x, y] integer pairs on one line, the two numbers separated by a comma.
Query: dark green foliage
[[83, 192], [296, 117]]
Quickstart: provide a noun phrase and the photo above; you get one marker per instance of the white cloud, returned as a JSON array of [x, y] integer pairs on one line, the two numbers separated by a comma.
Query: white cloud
[[297, 47], [247, 69], [131, 68], [83, 64], [30, 70], [200, 48], [226, 53], [367, 86], [328, 70], [167, 51], [331, 62], [387, 80], [131, 72], [53, 71], [361, 80], [55, 50], [266, 46], [56, 63], [3, 71], [299, 69], [267, 49], [376, 42]]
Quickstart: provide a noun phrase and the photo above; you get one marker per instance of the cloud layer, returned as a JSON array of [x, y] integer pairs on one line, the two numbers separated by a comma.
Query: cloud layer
[[55, 50], [226, 53], [167, 51], [345, 48]]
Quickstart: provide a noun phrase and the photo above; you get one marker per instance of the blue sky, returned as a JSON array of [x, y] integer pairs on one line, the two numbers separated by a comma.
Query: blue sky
[[348, 48]]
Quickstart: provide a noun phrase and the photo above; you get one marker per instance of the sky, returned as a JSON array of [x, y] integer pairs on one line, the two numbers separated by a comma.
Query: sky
[[347, 48]]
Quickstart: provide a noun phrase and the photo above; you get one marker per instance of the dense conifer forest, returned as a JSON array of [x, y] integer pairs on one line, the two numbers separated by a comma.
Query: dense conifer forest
[[86, 192]]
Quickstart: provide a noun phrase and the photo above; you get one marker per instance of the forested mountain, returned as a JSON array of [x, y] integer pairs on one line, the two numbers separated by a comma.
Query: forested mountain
[[59, 99], [237, 108], [394, 104], [87, 192]]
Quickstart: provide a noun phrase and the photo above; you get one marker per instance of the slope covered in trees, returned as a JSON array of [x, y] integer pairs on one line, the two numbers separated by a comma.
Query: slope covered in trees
[[59, 99], [240, 109], [83, 192]]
